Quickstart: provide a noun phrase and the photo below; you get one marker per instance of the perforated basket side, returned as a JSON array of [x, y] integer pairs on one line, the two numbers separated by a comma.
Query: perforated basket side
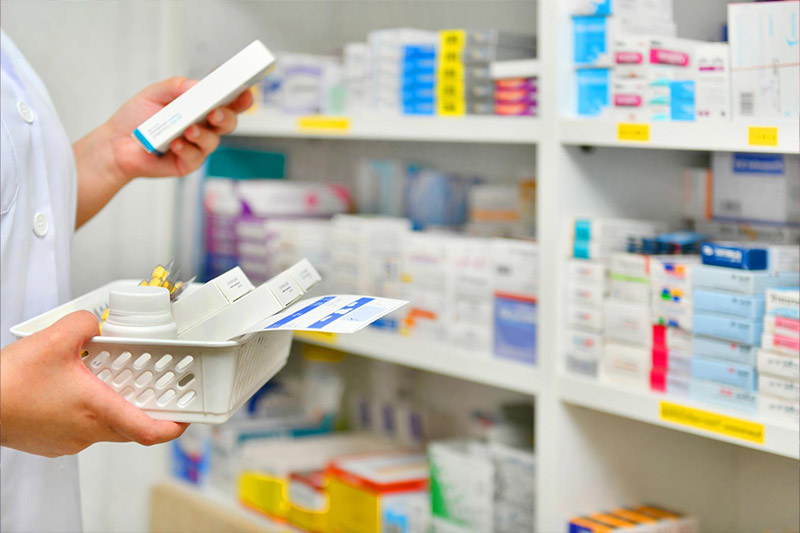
[[152, 377], [260, 358]]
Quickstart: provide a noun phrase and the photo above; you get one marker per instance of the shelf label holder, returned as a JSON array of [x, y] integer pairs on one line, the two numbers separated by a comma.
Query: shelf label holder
[[736, 428], [633, 132], [761, 136], [317, 123]]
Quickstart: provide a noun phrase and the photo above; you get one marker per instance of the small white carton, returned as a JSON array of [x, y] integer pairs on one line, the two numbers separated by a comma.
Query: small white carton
[[199, 304], [217, 89]]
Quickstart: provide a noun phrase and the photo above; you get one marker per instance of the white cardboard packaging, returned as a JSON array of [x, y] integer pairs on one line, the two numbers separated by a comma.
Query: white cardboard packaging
[[773, 407], [786, 389], [304, 273], [628, 322], [209, 299], [713, 82], [765, 68], [785, 366], [219, 88], [756, 187], [627, 365], [232, 320], [586, 294], [588, 272], [586, 318], [629, 100]]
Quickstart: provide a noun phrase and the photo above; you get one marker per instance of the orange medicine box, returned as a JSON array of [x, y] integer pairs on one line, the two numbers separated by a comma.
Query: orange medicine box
[[379, 493]]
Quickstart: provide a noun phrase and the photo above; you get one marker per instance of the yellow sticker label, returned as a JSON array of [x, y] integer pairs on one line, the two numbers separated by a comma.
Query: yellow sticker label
[[757, 136], [633, 132], [320, 123], [713, 422], [451, 39], [317, 336]]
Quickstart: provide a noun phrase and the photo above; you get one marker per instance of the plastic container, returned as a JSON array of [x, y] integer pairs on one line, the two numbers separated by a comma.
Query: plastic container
[[184, 381], [141, 312]]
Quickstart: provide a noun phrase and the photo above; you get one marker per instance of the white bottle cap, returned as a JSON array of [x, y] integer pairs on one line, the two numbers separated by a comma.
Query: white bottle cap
[[139, 300]]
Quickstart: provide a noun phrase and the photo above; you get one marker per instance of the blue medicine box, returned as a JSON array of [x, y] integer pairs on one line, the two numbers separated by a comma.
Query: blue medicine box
[[726, 303], [724, 396], [735, 255], [726, 372], [592, 90], [515, 328], [722, 349], [741, 330], [590, 39]]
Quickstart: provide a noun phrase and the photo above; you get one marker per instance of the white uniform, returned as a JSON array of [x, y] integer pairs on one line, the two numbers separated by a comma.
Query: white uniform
[[37, 220]]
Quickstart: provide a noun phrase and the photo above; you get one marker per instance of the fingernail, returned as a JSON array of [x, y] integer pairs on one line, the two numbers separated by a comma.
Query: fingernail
[[187, 84], [192, 132], [178, 146], [217, 116]]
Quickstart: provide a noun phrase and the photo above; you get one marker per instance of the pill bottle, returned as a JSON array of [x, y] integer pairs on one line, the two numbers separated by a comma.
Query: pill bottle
[[142, 312]]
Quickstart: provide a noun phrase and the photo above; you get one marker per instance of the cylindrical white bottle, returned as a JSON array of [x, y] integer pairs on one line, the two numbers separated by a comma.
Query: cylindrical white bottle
[[142, 312]]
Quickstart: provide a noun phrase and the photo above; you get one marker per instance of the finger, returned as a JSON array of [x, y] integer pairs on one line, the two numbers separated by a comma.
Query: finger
[[223, 120], [166, 91], [189, 156], [204, 138], [73, 330], [242, 102], [131, 422]]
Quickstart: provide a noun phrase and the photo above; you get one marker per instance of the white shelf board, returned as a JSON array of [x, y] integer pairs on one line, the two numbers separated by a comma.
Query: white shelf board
[[779, 438], [466, 129], [437, 357], [718, 136], [211, 496]]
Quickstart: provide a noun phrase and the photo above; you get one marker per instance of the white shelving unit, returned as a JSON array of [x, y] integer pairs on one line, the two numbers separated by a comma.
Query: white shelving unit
[[468, 129], [438, 357], [596, 446], [778, 438], [728, 136]]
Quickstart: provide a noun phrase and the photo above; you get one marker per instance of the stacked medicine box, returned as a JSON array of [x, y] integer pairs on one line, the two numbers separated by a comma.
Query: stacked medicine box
[[515, 87], [484, 48], [778, 365], [728, 294], [403, 71], [594, 242]]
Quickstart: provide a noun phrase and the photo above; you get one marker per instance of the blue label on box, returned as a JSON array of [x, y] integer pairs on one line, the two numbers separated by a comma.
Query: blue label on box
[[593, 90], [758, 164], [734, 256], [725, 372], [417, 51], [515, 329], [419, 108], [590, 38]]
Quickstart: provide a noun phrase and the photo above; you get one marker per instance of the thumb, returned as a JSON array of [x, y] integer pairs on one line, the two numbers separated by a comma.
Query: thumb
[[74, 330], [166, 91]]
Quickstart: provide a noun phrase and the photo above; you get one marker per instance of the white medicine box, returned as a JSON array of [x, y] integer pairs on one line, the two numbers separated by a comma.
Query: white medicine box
[[756, 187]]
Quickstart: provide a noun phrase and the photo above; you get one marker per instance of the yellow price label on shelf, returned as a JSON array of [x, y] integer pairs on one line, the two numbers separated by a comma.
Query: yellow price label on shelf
[[633, 132], [327, 124], [758, 136], [713, 422], [319, 337]]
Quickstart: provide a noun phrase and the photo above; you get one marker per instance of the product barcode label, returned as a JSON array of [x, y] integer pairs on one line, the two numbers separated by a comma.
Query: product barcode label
[[758, 136], [747, 104]]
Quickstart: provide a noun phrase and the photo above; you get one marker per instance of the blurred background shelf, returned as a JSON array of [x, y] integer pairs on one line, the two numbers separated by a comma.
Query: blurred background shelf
[[177, 507], [727, 136], [437, 357], [779, 438], [468, 129]]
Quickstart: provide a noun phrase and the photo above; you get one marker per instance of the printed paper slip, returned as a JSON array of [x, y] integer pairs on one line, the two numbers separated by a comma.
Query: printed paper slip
[[340, 313]]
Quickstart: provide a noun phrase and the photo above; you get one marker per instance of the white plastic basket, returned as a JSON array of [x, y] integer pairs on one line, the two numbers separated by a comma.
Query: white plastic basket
[[184, 381]]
